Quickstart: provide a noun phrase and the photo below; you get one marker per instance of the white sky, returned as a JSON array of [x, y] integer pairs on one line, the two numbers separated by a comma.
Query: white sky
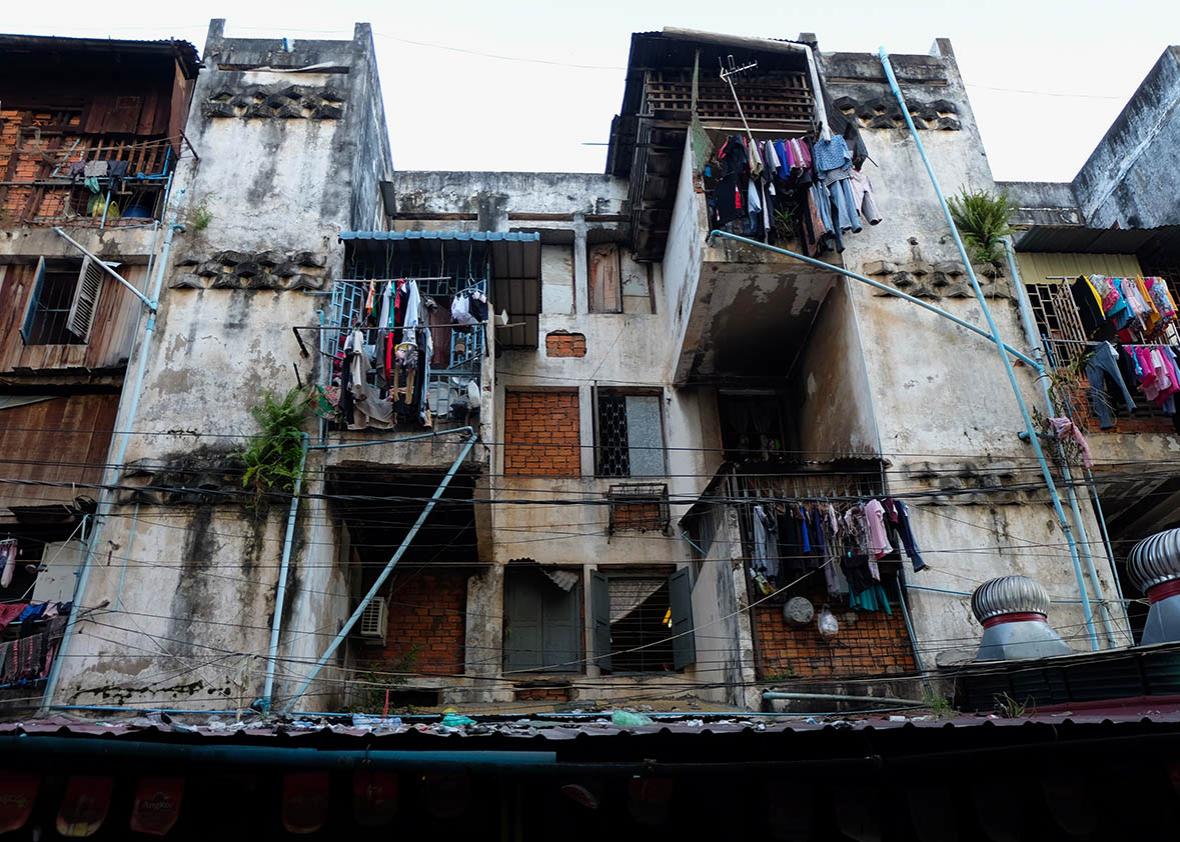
[[1046, 77]]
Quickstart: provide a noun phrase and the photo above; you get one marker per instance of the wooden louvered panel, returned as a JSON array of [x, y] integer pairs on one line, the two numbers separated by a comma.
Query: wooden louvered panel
[[85, 303]]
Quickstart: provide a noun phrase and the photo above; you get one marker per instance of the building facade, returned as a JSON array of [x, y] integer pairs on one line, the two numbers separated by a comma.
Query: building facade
[[564, 446]]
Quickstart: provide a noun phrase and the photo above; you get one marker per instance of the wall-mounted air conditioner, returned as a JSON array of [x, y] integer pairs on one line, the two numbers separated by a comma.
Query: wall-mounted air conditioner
[[374, 621]]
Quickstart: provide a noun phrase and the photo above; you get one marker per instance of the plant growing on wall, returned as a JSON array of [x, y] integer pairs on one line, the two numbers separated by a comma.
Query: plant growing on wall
[[982, 220], [272, 459]]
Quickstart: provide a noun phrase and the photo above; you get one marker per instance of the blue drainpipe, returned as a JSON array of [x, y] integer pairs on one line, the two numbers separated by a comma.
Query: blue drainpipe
[[276, 623]]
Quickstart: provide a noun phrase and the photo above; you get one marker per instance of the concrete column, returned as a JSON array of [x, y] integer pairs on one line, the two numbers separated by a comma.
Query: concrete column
[[485, 632], [581, 266], [586, 428]]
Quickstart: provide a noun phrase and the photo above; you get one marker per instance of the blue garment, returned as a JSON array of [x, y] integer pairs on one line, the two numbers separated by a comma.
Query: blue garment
[[907, 535], [806, 537], [846, 215], [33, 612], [1103, 363], [831, 154], [871, 599], [784, 169]]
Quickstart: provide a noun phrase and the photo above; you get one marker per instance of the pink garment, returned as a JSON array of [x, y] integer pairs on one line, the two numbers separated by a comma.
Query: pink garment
[[1064, 428], [878, 539]]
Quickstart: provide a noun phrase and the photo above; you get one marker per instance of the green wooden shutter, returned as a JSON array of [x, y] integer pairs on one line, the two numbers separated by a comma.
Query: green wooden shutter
[[684, 646], [26, 330], [561, 628], [522, 621], [600, 609]]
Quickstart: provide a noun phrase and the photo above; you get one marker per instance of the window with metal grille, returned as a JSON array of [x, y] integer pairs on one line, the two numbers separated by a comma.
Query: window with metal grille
[[752, 428], [47, 319], [643, 620], [629, 435]]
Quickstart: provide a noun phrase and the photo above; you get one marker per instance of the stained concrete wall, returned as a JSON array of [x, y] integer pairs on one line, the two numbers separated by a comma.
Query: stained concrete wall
[[626, 350], [945, 414], [1130, 180], [288, 159]]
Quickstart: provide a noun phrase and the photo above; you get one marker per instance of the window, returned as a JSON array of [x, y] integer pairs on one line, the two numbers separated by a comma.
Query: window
[[630, 435], [751, 427], [63, 302], [605, 279], [542, 620], [642, 621]]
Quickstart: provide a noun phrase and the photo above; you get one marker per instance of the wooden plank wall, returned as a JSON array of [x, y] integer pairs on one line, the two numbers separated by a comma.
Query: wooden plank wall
[[64, 439], [110, 339]]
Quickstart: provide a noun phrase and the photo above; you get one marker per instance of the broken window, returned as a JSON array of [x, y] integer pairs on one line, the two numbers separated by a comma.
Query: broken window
[[62, 303], [642, 620], [630, 435], [542, 620], [604, 279]]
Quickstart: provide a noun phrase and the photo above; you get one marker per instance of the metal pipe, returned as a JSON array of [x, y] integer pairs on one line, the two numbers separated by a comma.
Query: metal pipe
[[285, 757], [150, 303], [994, 330], [144, 711], [1024, 308], [785, 695], [383, 576], [897, 293], [909, 625], [114, 462], [276, 623]]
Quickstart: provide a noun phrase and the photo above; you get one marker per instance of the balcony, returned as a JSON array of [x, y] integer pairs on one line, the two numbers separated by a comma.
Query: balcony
[[736, 310]]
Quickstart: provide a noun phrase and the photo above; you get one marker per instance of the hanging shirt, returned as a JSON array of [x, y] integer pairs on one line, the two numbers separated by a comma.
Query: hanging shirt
[[383, 314], [831, 154], [878, 539]]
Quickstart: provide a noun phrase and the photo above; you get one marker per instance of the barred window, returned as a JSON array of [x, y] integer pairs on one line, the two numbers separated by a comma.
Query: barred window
[[629, 435]]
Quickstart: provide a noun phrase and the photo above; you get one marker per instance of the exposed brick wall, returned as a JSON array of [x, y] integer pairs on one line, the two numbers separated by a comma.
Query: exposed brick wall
[[427, 615], [637, 517], [562, 344], [543, 694], [541, 434], [869, 643]]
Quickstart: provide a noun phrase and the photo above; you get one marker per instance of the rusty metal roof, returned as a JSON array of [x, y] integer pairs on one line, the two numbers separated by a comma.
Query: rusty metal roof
[[184, 51], [363, 728]]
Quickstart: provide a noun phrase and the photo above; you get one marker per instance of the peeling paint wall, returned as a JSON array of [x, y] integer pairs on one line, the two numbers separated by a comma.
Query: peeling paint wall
[[188, 570], [945, 413]]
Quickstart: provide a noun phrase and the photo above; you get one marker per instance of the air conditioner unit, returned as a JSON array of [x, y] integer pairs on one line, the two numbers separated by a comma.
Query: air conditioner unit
[[374, 621]]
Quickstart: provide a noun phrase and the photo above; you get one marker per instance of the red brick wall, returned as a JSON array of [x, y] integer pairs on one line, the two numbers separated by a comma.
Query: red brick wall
[[869, 643], [427, 615], [541, 434], [562, 344]]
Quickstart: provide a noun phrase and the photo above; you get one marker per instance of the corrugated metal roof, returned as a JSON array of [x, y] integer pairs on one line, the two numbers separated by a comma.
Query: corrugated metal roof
[[183, 50], [477, 236], [1138, 711]]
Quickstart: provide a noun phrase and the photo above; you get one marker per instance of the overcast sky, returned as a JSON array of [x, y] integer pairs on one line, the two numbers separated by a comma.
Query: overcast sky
[[492, 86]]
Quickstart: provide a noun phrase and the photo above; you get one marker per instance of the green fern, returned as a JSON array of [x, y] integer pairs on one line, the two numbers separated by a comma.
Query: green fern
[[982, 220], [273, 457]]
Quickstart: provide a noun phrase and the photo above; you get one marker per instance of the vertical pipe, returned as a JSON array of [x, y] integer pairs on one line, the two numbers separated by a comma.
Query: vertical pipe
[[125, 417], [1029, 427], [276, 623], [1024, 307], [382, 577], [909, 625]]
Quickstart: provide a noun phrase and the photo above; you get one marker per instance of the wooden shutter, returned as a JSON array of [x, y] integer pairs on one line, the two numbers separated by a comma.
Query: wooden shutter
[[560, 628], [603, 279], [684, 647], [600, 611], [85, 302], [26, 328], [522, 621]]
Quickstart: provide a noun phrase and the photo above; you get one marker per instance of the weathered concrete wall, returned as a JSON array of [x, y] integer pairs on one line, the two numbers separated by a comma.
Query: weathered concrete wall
[[831, 395], [1041, 203], [1130, 179], [944, 409], [288, 158]]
